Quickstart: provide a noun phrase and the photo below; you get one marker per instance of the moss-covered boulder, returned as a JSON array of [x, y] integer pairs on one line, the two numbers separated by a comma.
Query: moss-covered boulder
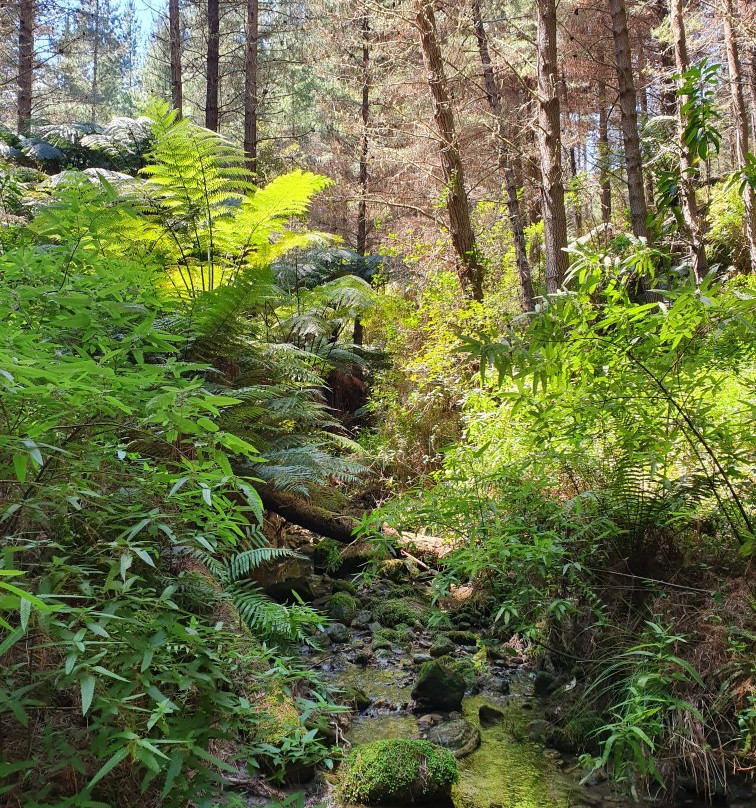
[[441, 646], [393, 611], [438, 686], [467, 638], [398, 771], [342, 607]]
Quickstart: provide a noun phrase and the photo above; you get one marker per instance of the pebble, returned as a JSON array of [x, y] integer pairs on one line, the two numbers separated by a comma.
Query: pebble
[[418, 659]]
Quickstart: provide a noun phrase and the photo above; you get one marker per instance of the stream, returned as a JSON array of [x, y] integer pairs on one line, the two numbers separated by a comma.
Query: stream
[[512, 767], [508, 770]]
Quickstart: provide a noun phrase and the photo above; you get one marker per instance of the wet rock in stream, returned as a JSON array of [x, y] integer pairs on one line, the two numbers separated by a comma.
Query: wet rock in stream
[[459, 736], [438, 686]]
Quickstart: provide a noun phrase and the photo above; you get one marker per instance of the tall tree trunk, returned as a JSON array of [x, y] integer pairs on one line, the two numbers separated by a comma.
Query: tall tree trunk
[[213, 64], [603, 156], [26, 13], [95, 59], [250, 83], [693, 230], [469, 264], [741, 123], [550, 147], [629, 118], [363, 170], [506, 167], [576, 193], [667, 98], [174, 28], [364, 140]]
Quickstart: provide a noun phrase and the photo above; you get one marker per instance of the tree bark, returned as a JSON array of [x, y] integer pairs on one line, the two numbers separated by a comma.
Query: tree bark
[[364, 139], [550, 147], [250, 83], [693, 230], [95, 59], [26, 14], [603, 156], [493, 96], [174, 28], [311, 517], [741, 123], [469, 264], [213, 65], [629, 118]]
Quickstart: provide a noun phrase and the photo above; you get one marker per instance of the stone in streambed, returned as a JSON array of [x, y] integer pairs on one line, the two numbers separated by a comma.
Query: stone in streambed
[[442, 646], [362, 619], [337, 632], [438, 687], [460, 737], [490, 715]]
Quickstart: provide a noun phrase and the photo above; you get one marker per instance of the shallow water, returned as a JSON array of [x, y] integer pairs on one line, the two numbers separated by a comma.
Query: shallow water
[[505, 771]]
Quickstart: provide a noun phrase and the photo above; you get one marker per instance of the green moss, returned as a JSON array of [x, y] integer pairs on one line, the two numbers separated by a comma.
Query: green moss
[[327, 555], [396, 770], [342, 607], [393, 611], [342, 585], [463, 637], [441, 646], [400, 636], [462, 666]]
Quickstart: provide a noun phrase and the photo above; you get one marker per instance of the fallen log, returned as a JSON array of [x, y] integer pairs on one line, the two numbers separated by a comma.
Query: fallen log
[[311, 517]]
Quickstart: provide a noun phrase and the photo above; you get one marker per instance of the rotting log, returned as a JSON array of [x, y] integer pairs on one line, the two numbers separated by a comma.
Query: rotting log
[[311, 517]]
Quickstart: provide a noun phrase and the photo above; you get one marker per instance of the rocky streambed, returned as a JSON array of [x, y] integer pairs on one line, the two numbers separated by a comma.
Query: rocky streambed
[[409, 672]]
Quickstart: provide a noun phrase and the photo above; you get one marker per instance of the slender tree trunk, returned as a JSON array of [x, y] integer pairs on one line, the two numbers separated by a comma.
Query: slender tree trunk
[[689, 206], [213, 65], [493, 95], [174, 28], [629, 119], [550, 147], [667, 99], [647, 176], [363, 170], [26, 13], [250, 83], [364, 140], [469, 265], [95, 59], [603, 156], [741, 123], [753, 91], [576, 191]]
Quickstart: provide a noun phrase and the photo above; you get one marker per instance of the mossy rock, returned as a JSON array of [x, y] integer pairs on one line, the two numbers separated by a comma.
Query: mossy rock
[[394, 569], [398, 771], [459, 736], [393, 611], [468, 638], [439, 686], [342, 585], [342, 607], [401, 637], [441, 646]]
